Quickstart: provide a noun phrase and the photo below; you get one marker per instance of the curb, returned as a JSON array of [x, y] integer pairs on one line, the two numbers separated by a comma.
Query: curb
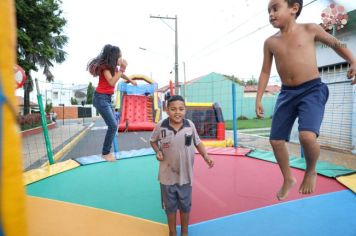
[[37, 130]]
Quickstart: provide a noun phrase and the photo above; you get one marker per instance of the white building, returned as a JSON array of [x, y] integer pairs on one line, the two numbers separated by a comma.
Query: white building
[[57, 93], [62, 94], [338, 129]]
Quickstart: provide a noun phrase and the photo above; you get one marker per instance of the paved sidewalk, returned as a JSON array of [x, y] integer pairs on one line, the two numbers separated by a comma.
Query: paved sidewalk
[[265, 132], [35, 154], [337, 157], [34, 147]]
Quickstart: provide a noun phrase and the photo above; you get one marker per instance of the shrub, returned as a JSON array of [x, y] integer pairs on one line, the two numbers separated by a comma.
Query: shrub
[[242, 117], [49, 107], [30, 121]]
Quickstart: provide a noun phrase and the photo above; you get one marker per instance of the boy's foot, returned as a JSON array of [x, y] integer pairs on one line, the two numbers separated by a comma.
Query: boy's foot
[[286, 187], [109, 157], [308, 184]]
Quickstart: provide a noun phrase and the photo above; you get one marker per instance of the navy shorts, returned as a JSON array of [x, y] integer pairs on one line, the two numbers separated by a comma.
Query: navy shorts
[[176, 197], [306, 101]]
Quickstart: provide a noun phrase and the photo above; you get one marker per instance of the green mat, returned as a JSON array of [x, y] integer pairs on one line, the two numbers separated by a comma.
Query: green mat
[[322, 167], [266, 156], [127, 186]]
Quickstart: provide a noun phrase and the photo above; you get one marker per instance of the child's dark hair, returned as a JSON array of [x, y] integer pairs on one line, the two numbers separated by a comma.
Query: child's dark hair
[[292, 2], [107, 59], [175, 98]]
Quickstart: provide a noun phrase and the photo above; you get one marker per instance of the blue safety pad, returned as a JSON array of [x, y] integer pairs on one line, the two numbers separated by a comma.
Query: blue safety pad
[[328, 215], [89, 160], [86, 160], [136, 153]]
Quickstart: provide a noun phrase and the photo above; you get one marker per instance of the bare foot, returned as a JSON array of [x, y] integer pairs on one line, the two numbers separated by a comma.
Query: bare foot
[[308, 184], [286, 187], [109, 157]]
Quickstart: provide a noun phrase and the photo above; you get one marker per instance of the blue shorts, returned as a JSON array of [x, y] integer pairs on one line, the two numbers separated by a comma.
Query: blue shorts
[[306, 101], [176, 197]]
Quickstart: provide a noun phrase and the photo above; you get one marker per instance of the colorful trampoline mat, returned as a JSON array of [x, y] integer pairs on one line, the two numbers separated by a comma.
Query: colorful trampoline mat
[[237, 196]]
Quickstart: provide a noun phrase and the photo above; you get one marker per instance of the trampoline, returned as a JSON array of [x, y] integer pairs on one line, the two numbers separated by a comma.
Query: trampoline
[[236, 197]]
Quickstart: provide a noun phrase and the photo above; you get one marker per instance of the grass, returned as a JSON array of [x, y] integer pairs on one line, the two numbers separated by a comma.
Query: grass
[[249, 124]]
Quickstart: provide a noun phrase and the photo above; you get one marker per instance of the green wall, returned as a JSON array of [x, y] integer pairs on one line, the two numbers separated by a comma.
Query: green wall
[[218, 88]]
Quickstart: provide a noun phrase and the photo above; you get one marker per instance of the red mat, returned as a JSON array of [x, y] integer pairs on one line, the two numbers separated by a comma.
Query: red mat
[[239, 184]]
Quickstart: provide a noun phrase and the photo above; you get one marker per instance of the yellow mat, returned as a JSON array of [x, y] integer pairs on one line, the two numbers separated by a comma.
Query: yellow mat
[[349, 181], [46, 171], [55, 218], [219, 143]]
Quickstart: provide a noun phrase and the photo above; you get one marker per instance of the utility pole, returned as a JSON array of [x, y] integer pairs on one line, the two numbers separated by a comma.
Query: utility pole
[[176, 82], [185, 82]]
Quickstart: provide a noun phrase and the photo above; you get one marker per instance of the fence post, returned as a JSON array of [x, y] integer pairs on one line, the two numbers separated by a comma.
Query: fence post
[[44, 125], [115, 140], [234, 124]]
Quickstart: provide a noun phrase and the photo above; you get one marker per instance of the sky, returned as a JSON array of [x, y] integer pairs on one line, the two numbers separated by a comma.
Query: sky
[[224, 36]]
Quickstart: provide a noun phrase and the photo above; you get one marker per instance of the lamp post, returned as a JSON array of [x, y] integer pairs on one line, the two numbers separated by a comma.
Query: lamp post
[[176, 82], [62, 105]]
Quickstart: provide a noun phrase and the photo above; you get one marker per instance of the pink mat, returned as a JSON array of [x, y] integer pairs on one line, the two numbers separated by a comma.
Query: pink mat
[[230, 151]]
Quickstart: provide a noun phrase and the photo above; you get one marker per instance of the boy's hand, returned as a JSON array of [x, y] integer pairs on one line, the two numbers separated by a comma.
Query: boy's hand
[[351, 73], [259, 110], [133, 82], [208, 161], [159, 156]]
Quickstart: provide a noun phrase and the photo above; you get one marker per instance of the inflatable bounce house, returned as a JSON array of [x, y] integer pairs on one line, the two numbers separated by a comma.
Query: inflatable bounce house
[[138, 105], [209, 122], [12, 191]]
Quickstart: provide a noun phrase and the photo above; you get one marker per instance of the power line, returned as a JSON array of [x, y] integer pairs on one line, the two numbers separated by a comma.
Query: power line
[[248, 34], [167, 24], [227, 33]]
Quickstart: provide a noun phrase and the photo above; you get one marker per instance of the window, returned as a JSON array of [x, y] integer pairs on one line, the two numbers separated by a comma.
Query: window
[[55, 95]]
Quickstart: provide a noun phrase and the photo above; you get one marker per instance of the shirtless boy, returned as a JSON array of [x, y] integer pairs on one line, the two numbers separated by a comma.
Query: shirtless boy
[[303, 95]]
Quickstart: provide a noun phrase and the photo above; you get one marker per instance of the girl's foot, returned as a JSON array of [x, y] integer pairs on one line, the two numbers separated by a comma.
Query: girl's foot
[[109, 157]]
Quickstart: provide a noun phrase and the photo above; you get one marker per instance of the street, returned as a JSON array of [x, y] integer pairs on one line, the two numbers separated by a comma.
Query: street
[[91, 143]]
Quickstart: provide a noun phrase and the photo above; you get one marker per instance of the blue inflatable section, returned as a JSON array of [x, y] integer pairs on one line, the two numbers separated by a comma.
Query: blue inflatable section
[[328, 215], [144, 89]]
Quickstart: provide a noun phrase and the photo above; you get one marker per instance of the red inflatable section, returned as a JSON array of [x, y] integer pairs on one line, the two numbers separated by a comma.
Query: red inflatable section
[[220, 131], [136, 113]]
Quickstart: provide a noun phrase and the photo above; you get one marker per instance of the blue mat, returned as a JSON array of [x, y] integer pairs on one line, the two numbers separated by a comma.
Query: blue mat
[[136, 153], [89, 160], [328, 215]]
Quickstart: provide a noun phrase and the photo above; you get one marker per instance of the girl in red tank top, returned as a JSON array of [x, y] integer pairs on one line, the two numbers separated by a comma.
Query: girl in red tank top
[[105, 65]]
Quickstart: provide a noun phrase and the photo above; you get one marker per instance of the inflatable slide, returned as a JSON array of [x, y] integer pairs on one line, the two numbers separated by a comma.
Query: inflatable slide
[[138, 105]]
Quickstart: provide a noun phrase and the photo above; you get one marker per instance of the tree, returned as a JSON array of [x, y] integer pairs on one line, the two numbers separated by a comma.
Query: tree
[[252, 81], [90, 93], [235, 79], [40, 39], [73, 101]]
